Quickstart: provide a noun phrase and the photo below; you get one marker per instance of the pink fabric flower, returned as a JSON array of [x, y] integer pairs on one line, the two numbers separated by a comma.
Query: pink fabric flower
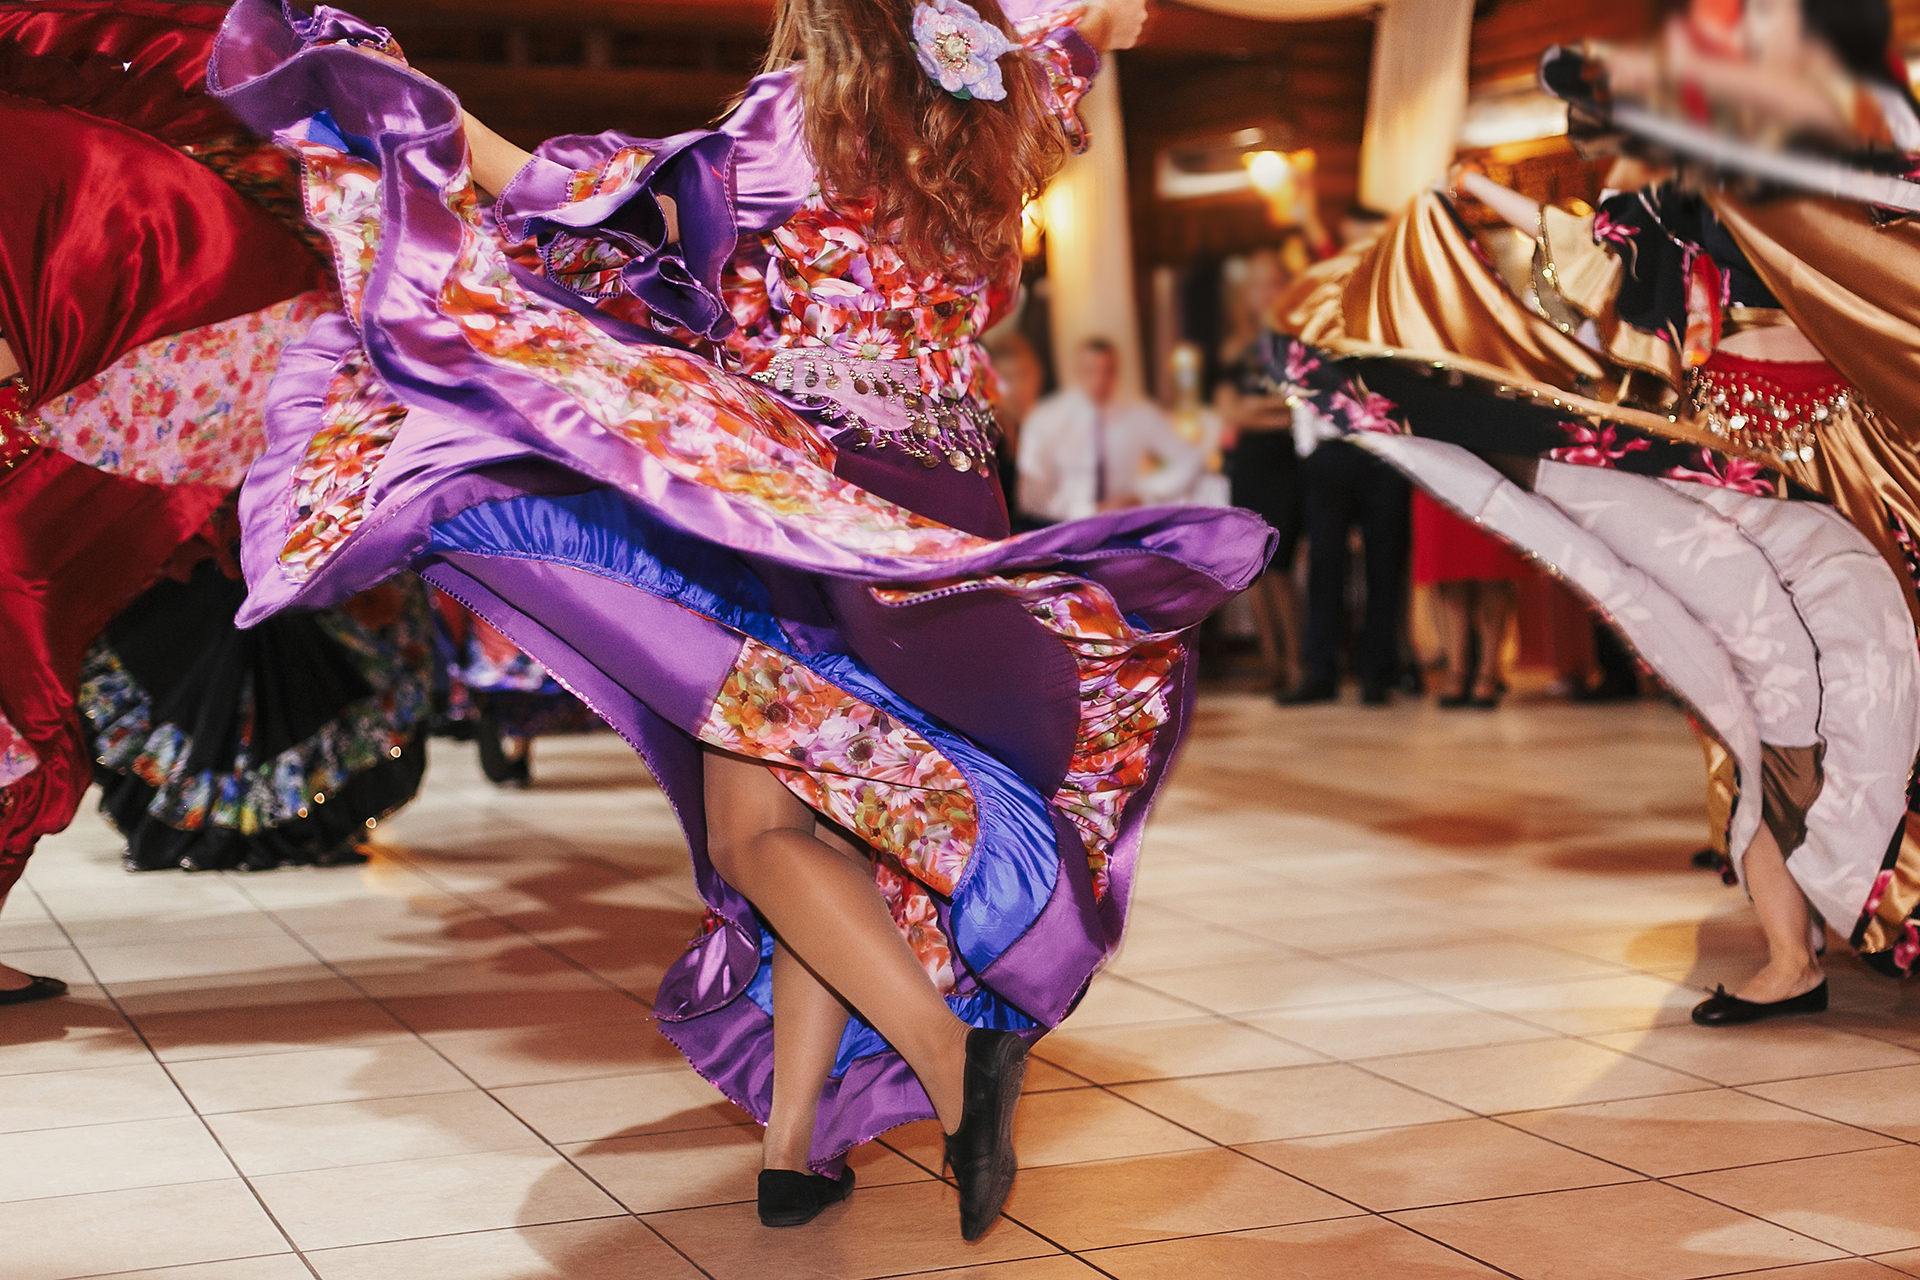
[[1371, 412], [1881, 883], [1607, 231], [1737, 474], [1907, 950], [1594, 448], [959, 50]]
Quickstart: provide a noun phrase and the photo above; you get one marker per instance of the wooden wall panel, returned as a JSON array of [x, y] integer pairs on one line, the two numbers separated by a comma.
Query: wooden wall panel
[[1509, 35]]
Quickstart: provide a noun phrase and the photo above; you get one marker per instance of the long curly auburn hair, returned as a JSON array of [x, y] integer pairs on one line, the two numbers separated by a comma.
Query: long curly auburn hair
[[951, 175]]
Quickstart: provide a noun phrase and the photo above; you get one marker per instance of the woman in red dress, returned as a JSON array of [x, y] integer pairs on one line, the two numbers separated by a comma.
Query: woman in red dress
[[120, 239], [1474, 577]]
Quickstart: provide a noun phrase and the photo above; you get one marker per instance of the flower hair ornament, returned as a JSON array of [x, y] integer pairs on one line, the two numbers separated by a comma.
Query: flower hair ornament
[[960, 49]]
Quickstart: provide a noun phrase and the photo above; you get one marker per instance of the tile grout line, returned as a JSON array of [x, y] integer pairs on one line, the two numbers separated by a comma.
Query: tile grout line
[[185, 1097], [549, 1143]]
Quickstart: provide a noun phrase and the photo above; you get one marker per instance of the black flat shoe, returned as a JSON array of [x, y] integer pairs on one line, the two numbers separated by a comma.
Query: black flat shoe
[[1309, 694], [791, 1199], [981, 1150], [1723, 1010], [36, 989]]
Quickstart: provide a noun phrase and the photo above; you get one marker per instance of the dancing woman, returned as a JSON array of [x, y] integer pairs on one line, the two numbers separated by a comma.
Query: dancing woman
[[1765, 345], [699, 423], [125, 259]]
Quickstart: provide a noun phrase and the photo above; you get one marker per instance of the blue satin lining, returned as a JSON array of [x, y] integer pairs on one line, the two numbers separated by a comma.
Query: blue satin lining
[[1016, 862]]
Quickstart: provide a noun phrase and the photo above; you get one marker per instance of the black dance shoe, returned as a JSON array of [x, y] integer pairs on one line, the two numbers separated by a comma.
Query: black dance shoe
[[36, 989], [1723, 1010], [1312, 693], [981, 1150], [791, 1199]]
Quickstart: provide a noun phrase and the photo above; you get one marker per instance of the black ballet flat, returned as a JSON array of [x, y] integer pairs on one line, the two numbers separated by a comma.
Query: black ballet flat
[[981, 1150], [37, 989], [1723, 1010], [792, 1199]]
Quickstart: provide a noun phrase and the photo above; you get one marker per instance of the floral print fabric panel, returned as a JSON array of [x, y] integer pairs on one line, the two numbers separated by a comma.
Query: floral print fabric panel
[[1067, 66], [187, 409], [830, 277], [587, 264], [343, 202], [863, 770], [1125, 680], [703, 425], [17, 759], [359, 421]]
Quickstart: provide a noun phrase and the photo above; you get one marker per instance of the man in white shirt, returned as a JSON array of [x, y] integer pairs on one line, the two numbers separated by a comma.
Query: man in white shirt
[[1083, 450]]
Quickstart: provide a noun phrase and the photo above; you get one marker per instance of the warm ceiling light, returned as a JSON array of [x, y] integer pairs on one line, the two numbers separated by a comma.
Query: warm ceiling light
[[1271, 174]]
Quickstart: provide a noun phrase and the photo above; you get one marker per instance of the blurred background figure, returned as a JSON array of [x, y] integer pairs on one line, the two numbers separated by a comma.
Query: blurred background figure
[[498, 697], [1262, 464], [1474, 577], [1022, 380], [1198, 426], [1347, 489], [1087, 449]]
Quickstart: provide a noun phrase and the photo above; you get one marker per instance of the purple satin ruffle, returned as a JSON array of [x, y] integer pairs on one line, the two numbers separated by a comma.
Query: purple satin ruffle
[[679, 282]]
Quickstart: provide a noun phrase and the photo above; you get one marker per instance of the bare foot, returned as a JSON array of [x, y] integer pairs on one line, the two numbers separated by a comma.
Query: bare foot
[[1783, 980], [12, 979]]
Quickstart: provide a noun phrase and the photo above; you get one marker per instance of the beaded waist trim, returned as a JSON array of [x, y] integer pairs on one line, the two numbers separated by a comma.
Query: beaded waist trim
[[883, 403], [1754, 413]]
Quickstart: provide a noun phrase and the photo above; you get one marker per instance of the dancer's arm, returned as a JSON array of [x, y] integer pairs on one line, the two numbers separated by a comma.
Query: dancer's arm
[[1793, 101], [9, 367], [1515, 208], [495, 160], [1113, 24]]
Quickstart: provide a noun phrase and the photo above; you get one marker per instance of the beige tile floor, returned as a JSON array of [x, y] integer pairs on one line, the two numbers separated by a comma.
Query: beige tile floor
[[1406, 996]]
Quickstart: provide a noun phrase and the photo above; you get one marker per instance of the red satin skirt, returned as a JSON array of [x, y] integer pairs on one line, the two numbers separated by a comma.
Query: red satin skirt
[[76, 546], [1447, 548]]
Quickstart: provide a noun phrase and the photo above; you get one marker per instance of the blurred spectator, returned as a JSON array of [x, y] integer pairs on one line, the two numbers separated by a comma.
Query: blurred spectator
[[1198, 426], [1086, 450], [1021, 378], [1347, 487], [1262, 464]]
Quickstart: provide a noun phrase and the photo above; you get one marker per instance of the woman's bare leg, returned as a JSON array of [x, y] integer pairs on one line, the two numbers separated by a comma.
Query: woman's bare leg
[[826, 909], [808, 1024], [1792, 967], [1278, 586], [1492, 604], [1456, 633]]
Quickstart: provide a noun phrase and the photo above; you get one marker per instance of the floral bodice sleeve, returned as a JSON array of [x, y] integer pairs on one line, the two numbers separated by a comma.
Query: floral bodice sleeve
[[766, 259], [591, 205], [1066, 61]]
